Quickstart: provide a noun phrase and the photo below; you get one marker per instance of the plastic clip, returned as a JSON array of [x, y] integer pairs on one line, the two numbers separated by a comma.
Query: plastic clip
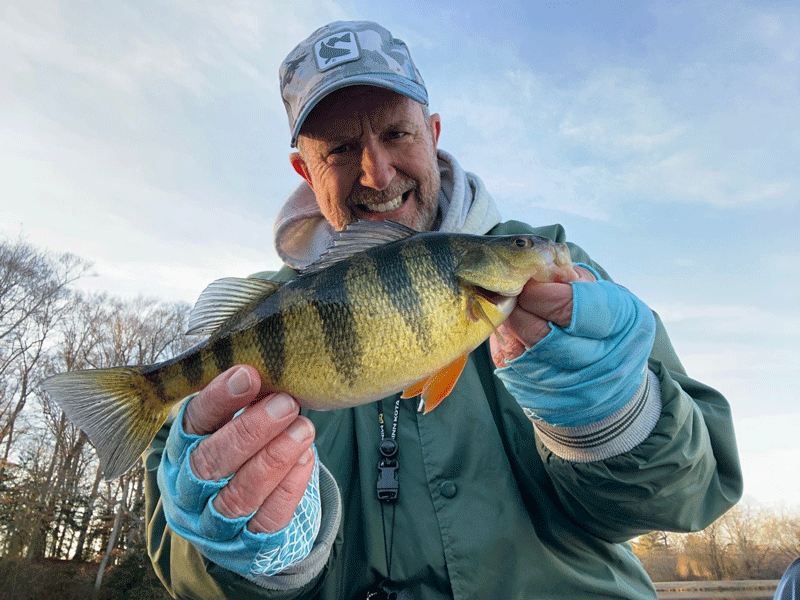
[[388, 487]]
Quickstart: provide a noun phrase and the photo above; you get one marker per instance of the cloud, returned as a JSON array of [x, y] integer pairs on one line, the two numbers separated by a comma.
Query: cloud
[[750, 354], [134, 135], [112, 55], [730, 318], [704, 113], [616, 114], [780, 33]]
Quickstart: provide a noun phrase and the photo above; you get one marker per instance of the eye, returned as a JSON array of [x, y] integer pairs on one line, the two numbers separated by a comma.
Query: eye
[[341, 155], [341, 149], [522, 242]]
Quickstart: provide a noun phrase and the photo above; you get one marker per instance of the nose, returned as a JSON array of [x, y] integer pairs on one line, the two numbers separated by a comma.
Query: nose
[[377, 171]]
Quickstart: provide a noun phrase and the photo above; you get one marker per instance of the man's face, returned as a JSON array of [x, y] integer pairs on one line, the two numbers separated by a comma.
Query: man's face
[[368, 153]]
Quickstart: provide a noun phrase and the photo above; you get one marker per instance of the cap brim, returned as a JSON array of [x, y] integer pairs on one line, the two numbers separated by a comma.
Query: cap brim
[[388, 81]]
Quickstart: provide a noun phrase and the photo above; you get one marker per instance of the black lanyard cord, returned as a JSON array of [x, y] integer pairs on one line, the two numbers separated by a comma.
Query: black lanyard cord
[[388, 486]]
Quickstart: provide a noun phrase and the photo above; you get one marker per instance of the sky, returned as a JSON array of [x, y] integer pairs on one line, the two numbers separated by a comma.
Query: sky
[[150, 139]]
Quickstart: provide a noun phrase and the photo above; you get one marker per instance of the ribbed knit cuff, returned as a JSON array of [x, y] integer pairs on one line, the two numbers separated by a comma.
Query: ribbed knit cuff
[[614, 435]]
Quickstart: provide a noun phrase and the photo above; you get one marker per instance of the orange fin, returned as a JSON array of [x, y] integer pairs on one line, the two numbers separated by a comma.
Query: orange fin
[[415, 390], [439, 385]]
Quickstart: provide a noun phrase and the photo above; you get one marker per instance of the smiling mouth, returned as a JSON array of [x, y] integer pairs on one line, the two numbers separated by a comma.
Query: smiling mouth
[[387, 206]]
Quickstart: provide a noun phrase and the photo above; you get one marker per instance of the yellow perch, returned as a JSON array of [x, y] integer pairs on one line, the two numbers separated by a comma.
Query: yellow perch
[[386, 309]]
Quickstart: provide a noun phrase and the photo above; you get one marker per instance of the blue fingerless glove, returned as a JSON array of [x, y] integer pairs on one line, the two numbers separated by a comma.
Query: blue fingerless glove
[[189, 511], [586, 372]]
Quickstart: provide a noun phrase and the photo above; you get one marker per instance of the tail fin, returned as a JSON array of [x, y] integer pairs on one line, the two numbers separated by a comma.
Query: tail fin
[[117, 408]]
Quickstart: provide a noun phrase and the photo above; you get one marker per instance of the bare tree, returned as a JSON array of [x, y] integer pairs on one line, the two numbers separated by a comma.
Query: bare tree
[[782, 527], [104, 332], [86, 517], [33, 293], [112, 540], [745, 525], [49, 500], [747, 542], [33, 296]]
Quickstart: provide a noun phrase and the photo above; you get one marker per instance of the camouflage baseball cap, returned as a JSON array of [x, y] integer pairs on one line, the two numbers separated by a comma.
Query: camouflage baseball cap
[[341, 54]]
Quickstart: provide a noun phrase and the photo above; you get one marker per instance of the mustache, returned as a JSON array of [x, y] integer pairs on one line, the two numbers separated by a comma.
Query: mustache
[[368, 196]]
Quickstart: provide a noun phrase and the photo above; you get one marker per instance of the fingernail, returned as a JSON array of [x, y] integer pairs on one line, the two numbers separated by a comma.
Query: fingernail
[[305, 457], [239, 382], [279, 406], [298, 430]]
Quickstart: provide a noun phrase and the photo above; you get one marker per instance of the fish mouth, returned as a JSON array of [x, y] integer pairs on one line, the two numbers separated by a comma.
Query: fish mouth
[[493, 297], [502, 303]]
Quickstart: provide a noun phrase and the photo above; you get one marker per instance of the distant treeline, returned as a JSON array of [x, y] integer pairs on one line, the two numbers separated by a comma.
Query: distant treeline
[[747, 542]]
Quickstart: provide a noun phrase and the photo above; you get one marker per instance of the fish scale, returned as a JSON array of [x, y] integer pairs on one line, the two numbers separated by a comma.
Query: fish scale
[[386, 309]]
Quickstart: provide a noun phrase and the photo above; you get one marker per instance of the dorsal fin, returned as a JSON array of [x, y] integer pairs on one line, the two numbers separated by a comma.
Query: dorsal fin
[[225, 298], [358, 237]]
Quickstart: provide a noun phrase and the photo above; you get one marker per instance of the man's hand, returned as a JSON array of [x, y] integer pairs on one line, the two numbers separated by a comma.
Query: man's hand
[[587, 367], [245, 489], [267, 448], [537, 306]]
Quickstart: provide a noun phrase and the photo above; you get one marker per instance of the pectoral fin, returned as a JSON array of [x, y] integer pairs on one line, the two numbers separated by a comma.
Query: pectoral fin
[[477, 313], [414, 390], [438, 386]]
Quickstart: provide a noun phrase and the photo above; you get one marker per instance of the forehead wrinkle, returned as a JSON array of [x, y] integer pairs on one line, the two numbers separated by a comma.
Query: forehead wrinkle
[[336, 130], [373, 112]]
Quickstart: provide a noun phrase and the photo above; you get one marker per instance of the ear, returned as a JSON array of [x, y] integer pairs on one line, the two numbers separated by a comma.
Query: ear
[[299, 165], [436, 129]]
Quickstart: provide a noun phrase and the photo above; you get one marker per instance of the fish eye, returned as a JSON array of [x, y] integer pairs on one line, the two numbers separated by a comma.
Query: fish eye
[[522, 242]]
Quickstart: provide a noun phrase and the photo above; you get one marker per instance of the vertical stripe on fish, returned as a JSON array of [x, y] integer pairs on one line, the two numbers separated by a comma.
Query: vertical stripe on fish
[[192, 368], [404, 294], [334, 305], [222, 350], [270, 341]]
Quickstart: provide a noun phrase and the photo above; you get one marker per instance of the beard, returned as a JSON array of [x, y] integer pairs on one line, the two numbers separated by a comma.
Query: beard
[[418, 207]]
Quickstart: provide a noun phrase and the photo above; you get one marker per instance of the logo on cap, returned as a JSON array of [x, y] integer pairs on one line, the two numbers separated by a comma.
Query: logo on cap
[[336, 49]]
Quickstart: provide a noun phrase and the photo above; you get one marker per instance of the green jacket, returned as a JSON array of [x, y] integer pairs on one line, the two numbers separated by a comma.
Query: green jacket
[[486, 509]]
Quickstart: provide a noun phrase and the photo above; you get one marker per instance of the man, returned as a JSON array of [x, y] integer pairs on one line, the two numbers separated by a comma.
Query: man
[[573, 430]]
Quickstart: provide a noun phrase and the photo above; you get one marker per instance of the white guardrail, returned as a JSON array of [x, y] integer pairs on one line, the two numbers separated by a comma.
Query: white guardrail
[[717, 590]]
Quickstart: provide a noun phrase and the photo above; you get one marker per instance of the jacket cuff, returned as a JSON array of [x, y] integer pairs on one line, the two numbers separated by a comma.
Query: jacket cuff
[[302, 573], [614, 435]]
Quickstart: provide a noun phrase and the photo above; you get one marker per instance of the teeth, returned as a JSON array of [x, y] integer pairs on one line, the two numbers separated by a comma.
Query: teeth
[[386, 206]]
